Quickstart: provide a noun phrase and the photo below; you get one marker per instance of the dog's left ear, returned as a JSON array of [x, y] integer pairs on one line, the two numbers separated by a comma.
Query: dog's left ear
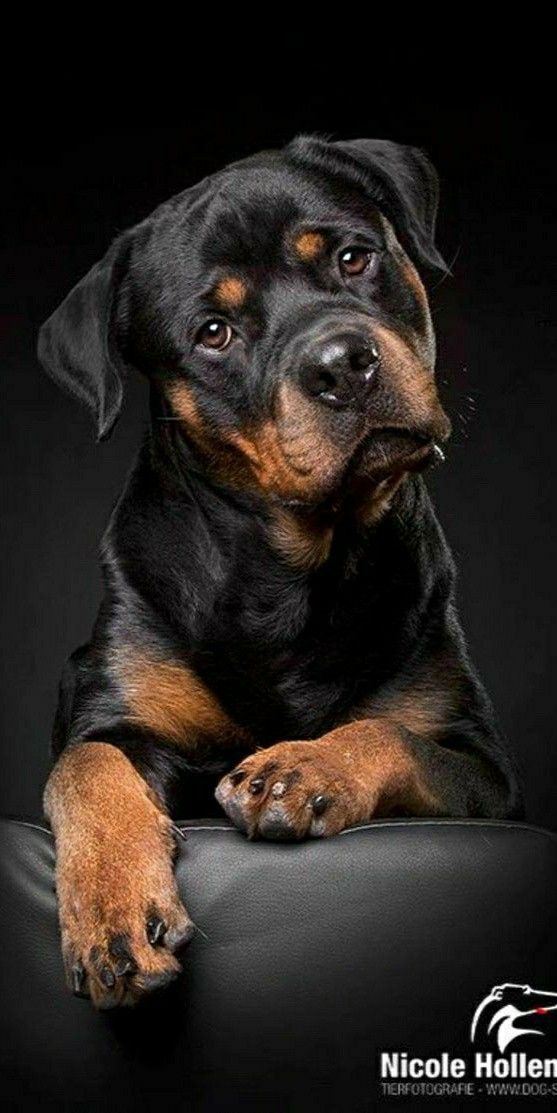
[[76, 344], [400, 180]]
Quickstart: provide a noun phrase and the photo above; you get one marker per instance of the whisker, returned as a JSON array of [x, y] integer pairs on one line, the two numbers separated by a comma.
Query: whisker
[[197, 928], [448, 273]]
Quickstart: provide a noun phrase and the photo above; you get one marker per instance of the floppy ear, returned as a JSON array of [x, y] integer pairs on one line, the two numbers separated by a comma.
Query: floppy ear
[[400, 180], [76, 346]]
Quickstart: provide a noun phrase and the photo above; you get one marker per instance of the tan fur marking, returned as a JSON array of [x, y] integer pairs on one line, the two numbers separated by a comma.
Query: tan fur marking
[[304, 542], [223, 459], [231, 292], [427, 704], [290, 456], [114, 869], [413, 279], [287, 456], [273, 470], [377, 501], [424, 711], [185, 406], [309, 245], [414, 382], [425, 336], [256, 457], [169, 699]]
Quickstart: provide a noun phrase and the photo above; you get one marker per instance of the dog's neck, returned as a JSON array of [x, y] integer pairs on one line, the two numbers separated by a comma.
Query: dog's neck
[[301, 534]]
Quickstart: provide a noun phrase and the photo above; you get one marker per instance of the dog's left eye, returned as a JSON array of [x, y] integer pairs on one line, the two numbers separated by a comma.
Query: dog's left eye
[[355, 260], [215, 335]]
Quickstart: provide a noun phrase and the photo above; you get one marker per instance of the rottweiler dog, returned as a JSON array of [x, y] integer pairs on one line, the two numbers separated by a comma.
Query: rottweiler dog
[[279, 614]]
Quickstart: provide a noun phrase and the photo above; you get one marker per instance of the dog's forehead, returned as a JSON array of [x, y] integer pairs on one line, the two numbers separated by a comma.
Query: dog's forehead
[[250, 208]]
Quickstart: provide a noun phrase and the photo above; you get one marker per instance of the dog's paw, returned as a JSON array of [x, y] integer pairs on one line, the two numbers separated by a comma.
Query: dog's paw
[[121, 920], [295, 790]]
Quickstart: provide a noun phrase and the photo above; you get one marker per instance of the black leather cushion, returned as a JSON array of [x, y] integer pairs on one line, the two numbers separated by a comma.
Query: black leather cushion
[[309, 960]]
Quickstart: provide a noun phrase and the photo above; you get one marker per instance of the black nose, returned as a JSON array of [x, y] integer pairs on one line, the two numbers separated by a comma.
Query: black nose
[[339, 370]]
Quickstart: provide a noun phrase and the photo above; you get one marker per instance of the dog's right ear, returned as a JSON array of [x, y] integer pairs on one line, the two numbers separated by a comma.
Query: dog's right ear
[[76, 344]]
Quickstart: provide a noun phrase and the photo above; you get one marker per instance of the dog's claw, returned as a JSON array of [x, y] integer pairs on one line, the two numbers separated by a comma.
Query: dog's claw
[[125, 966], [120, 950], [237, 777], [156, 929], [107, 977], [79, 980], [319, 804]]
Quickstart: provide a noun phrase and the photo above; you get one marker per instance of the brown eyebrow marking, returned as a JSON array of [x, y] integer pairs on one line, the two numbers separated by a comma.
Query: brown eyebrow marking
[[231, 292], [309, 245]]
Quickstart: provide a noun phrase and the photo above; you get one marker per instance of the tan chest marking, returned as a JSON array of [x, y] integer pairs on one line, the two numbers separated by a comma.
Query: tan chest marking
[[425, 706], [169, 699], [303, 542]]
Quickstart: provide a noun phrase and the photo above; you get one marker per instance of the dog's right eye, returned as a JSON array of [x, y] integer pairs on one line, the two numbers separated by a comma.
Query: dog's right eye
[[355, 260], [215, 335]]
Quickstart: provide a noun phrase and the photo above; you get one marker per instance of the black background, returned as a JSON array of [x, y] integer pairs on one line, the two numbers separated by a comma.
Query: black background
[[74, 182]]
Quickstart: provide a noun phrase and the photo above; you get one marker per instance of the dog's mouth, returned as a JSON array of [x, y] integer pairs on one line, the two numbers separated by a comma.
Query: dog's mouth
[[390, 449], [383, 453]]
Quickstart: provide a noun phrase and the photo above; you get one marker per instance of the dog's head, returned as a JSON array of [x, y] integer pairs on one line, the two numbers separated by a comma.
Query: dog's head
[[278, 310]]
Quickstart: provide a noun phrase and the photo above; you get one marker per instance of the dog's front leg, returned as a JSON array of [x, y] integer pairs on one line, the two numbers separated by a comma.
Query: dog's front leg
[[121, 918], [372, 767], [319, 787]]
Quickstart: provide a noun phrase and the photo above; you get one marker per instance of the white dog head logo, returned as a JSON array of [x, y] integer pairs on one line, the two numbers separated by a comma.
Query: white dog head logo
[[505, 1007]]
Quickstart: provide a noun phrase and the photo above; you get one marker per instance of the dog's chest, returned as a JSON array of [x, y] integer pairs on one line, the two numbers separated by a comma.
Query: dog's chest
[[289, 654], [279, 694], [287, 663]]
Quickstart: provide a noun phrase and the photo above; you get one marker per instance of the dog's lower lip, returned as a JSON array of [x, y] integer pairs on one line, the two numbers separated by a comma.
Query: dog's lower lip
[[393, 444], [393, 433], [425, 444]]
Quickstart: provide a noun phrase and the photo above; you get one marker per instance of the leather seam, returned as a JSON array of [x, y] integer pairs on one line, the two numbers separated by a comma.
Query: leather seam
[[415, 824], [378, 825], [186, 827], [35, 826], [492, 825]]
